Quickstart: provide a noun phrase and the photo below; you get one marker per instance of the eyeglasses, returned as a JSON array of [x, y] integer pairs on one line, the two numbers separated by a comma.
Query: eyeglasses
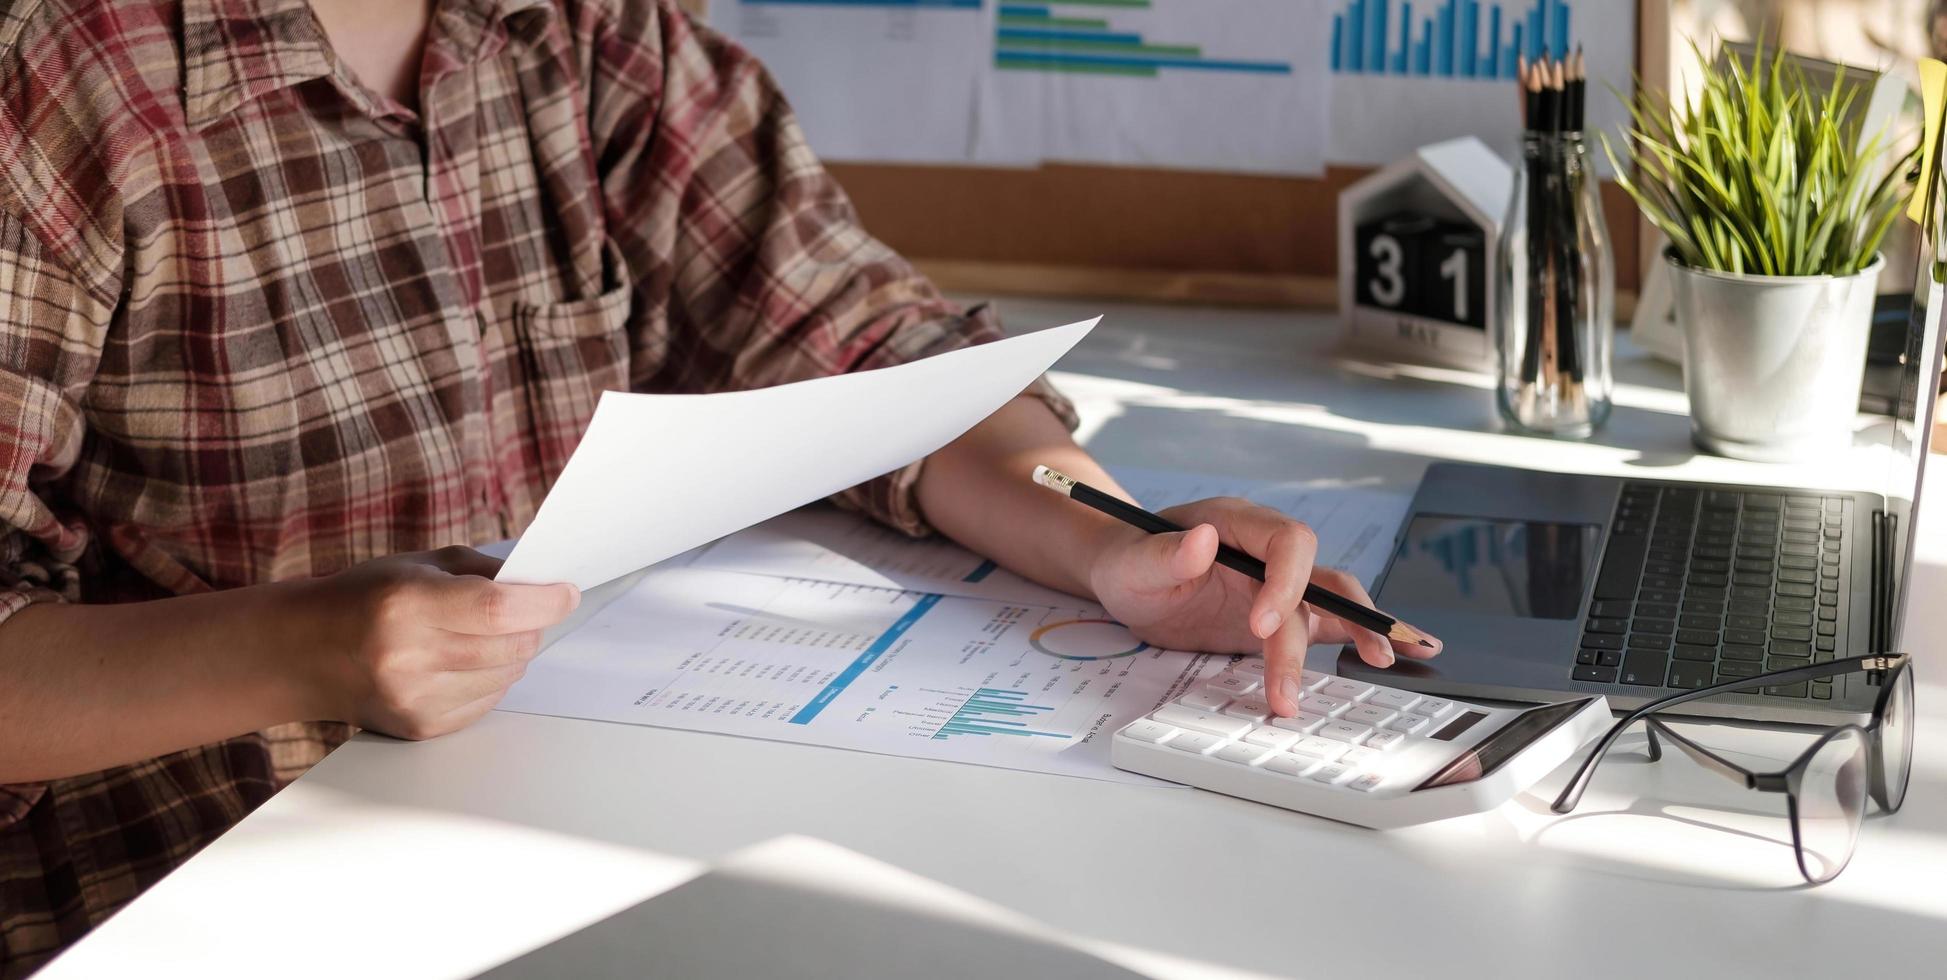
[[1825, 787]]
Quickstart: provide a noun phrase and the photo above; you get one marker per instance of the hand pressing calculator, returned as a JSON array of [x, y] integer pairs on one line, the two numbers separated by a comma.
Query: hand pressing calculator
[[1373, 756]]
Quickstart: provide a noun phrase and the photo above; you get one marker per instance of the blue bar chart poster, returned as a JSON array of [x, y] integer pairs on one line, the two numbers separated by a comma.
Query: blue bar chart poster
[[1446, 68], [1233, 85]]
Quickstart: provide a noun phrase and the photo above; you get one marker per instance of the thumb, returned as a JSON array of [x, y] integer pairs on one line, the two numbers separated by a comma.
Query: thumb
[[1165, 561]]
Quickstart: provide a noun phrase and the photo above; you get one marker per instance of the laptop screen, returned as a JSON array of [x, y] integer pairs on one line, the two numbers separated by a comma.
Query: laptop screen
[[1907, 432]]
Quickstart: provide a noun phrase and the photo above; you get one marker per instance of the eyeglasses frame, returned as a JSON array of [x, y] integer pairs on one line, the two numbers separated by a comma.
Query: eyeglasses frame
[[1789, 780], [1890, 667]]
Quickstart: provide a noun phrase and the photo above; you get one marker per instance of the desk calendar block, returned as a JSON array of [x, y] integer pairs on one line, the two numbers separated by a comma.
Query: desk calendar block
[[1417, 262]]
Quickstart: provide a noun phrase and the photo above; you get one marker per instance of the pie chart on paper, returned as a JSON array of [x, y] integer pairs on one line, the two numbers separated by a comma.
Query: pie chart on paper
[[1086, 639]]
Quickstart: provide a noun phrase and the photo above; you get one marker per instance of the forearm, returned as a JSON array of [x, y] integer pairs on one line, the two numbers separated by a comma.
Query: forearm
[[977, 491], [86, 687]]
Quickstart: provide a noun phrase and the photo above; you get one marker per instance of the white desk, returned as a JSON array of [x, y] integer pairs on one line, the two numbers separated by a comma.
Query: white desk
[[442, 858]]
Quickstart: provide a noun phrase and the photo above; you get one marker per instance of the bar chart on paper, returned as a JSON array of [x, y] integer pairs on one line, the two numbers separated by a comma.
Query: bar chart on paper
[[1156, 83], [879, 670], [1442, 68], [1453, 38], [1049, 37]]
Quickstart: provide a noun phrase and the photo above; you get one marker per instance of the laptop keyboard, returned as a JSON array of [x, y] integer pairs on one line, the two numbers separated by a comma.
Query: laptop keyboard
[[1700, 585]]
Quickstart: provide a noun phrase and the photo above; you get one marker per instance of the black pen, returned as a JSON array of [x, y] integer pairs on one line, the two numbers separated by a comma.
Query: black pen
[[1229, 557]]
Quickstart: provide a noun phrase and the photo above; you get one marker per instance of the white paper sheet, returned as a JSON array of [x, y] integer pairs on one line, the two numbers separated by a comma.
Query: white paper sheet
[[878, 670], [656, 475], [1355, 526], [890, 81], [1224, 85]]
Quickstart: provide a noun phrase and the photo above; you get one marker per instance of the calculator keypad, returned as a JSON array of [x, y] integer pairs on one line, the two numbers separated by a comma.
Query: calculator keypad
[[1347, 733]]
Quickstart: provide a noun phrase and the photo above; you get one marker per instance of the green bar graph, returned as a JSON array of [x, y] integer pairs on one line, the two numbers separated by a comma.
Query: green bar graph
[[1084, 23], [1125, 47]]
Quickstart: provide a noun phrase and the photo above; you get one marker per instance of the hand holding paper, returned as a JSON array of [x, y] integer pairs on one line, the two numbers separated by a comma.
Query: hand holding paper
[[656, 475]]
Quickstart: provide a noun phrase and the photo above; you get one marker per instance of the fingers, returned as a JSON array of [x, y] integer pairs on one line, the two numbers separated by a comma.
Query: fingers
[[1287, 548], [1284, 662], [1377, 650], [1165, 561], [485, 608], [461, 560]]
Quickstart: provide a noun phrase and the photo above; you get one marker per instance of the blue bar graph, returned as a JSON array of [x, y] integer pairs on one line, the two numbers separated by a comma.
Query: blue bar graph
[[1494, 46], [995, 711], [1376, 38], [872, 653], [1355, 39], [1464, 39], [1405, 35], [1443, 53]]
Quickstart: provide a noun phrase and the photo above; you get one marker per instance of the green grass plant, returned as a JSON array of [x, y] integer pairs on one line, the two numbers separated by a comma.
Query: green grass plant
[[1758, 174]]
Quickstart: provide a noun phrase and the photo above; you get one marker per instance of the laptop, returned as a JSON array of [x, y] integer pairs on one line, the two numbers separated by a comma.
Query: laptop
[[1548, 585]]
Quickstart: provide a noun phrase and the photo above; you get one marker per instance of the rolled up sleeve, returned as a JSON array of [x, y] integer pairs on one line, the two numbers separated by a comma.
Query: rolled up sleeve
[[749, 250], [51, 330]]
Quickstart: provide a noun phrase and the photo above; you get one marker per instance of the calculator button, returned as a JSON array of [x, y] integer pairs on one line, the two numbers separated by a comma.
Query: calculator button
[[1367, 782], [1432, 707], [1290, 765], [1303, 721], [1204, 700], [1396, 700], [1253, 708], [1343, 731], [1383, 740], [1349, 690], [1201, 721], [1324, 748], [1360, 758], [1366, 714], [1252, 666], [1321, 704], [1274, 738], [1144, 730], [1312, 680], [1242, 753], [1408, 723], [1233, 684], [1195, 743], [1330, 773]]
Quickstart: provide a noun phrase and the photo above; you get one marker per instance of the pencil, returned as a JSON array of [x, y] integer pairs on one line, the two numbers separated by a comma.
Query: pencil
[[1229, 557]]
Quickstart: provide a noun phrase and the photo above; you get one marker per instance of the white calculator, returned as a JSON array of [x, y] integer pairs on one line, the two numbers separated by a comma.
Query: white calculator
[[1374, 756]]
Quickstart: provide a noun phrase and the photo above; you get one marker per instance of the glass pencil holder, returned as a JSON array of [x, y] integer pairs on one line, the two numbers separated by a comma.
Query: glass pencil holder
[[1555, 313]]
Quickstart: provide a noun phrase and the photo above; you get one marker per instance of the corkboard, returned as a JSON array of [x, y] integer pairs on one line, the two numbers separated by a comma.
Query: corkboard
[[1125, 233]]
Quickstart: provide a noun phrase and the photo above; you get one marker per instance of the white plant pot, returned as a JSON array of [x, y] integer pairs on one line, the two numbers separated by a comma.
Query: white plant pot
[[1773, 364]]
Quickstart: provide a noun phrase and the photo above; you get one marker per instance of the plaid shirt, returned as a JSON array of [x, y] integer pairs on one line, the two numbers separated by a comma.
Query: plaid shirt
[[258, 322]]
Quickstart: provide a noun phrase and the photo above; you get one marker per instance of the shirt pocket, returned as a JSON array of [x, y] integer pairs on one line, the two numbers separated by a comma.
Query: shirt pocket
[[568, 354]]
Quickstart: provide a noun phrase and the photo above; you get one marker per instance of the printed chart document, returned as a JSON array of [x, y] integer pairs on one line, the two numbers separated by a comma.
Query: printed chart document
[[657, 475], [1355, 527], [879, 670]]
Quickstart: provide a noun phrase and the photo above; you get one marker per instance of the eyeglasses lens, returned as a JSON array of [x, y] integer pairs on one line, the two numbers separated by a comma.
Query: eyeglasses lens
[[1896, 739], [1831, 801]]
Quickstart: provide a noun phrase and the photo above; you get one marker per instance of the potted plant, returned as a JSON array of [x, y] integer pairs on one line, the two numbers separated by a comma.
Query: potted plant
[[1775, 208]]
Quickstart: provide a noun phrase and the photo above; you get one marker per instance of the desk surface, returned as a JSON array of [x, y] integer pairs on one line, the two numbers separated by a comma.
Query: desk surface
[[445, 857]]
